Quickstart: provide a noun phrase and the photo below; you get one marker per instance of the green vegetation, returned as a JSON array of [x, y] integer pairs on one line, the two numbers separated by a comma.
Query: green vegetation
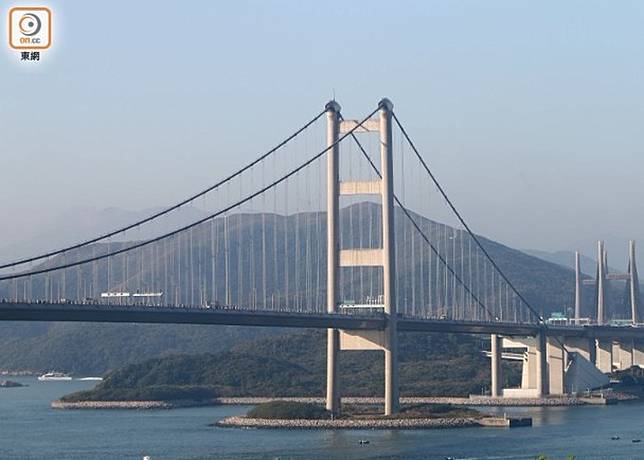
[[287, 410], [295, 365], [147, 393], [94, 348]]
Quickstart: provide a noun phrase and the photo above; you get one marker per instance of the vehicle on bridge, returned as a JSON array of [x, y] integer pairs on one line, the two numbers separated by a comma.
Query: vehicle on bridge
[[137, 298]]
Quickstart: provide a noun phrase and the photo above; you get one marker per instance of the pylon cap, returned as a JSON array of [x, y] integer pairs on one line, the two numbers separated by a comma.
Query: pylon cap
[[385, 103], [333, 106]]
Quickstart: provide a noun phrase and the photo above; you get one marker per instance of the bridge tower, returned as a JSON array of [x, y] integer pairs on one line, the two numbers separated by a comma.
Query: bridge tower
[[601, 282], [634, 283], [379, 257], [578, 287]]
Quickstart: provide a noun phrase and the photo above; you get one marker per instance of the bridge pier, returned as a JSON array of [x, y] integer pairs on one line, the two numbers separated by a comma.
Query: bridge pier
[[496, 349], [625, 354], [604, 356], [583, 346], [638, 352], [556, 360], [534, 376], [541, 355]]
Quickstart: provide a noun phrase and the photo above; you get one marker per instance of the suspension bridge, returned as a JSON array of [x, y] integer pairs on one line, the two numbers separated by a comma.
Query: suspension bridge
[[341, 226]]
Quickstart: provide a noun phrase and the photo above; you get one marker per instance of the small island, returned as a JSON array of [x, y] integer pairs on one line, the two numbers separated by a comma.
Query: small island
[[292, 366], [300, 415], [11, 384]]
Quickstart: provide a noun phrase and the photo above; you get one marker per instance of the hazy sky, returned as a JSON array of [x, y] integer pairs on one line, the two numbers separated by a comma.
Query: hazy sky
[[529, 112]]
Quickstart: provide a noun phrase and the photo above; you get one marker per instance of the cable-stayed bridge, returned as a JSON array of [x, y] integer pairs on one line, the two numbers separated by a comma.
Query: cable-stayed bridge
[[342, 225]]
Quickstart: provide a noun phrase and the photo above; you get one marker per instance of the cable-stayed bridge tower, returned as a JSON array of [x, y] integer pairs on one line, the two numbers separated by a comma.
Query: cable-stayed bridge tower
[[602, 286]]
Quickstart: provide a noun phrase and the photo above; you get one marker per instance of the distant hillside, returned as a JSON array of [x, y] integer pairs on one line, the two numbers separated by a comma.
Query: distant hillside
[[295, 365], [82, 223], [95, 348], [293, 250], [565, 259]]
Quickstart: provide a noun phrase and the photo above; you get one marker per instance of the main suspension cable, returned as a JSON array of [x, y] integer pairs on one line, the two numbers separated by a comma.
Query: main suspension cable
[[462, 220], [171, 208], [200, 221], [422, 234]]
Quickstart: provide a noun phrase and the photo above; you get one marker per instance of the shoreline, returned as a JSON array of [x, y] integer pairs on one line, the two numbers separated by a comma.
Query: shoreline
[[480, 401]]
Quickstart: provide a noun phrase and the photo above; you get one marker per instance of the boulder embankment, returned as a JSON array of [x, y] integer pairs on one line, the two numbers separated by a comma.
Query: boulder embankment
[[245, 401], [58, 404], [370, 423]]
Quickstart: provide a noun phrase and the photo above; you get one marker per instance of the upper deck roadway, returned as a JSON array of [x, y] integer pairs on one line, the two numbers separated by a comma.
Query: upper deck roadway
[[19, 311]]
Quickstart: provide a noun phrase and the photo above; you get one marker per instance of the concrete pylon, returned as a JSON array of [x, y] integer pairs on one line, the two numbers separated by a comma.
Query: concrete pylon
[[496, 352], [601, 282], [625, 356], [332, 212], [542, 364], [634, 282], [556, 359], [389, 258], [577, 288], [583, 346], [638, 352], [604, 355]]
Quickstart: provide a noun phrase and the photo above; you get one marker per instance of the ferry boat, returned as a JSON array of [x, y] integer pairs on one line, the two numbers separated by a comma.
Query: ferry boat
[[54, 376]]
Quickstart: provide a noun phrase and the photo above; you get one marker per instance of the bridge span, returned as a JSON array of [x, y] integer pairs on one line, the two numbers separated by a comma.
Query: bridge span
[[275, 240], [235, 316]]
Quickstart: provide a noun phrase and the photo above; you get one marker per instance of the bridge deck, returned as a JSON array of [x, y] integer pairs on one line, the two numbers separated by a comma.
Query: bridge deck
[[10, 311]]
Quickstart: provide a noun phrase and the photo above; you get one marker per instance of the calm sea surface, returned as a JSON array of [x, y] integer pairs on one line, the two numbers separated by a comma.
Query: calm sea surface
[[29, 429]]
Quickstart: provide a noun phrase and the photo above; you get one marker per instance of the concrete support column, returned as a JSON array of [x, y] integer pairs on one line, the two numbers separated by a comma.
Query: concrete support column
[[578, 286], [556, 366], [625, 357], [389, 258], [638, 352], [529, 371], [583, 346], [604, 361], [542, 364], [496, 348], [332, 212]]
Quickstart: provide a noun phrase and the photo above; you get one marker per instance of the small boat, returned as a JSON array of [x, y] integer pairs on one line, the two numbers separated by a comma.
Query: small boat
[[637, 440], [614, 438], [91, 378], [363, 441], [54, 376]]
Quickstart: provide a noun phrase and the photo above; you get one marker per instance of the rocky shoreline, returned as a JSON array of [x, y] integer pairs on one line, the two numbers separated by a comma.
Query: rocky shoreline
[[11, 384], [138, 405], [247, 401], [371, 423]]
